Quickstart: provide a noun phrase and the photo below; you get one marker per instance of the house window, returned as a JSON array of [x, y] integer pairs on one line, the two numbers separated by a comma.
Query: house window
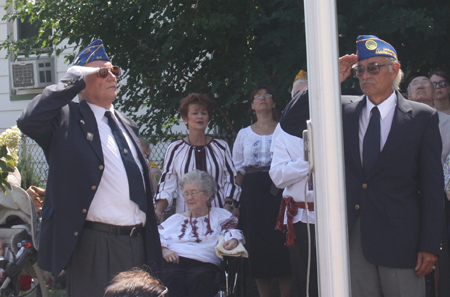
[[28, 75]]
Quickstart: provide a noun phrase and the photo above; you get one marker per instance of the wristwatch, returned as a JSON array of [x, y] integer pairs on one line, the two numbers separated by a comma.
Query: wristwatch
[[233, 203]]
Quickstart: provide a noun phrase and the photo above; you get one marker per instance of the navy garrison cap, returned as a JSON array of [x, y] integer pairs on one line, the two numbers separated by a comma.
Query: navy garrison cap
[[93, 52], [369, 46]]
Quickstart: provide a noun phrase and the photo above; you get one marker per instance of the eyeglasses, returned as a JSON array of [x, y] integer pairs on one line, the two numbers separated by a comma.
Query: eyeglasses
[[441, 84], [424, 82], [164, 292], [192, 194], [104, 71], [259, 96], [372, 68]]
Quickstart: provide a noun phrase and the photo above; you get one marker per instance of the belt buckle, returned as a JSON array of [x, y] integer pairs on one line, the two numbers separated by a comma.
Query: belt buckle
[[135, 230]]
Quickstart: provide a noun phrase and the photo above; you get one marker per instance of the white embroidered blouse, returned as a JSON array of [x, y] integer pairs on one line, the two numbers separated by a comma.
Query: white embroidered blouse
[[178, 235], [251, 149]]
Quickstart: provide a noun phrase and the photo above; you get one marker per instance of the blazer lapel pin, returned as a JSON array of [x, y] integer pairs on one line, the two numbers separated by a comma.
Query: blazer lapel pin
[[90, 136]]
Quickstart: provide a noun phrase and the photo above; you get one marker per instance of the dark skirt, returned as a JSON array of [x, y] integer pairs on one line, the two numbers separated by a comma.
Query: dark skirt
[[268, 255], [190, 278]]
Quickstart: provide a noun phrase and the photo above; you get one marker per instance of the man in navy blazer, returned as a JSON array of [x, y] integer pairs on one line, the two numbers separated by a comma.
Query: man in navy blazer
[[94, 223], [394, 178]]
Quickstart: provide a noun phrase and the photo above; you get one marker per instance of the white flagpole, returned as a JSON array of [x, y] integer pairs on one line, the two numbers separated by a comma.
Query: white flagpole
[[327, 147]]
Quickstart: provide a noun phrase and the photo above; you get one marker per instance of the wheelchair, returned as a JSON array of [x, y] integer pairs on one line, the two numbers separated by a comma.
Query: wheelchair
[[19, 231], [229, 282]]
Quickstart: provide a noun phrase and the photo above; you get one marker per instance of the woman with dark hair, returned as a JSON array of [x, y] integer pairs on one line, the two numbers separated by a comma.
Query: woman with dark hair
[[197, 151], [260, 199], [189, 239], [440, 80]]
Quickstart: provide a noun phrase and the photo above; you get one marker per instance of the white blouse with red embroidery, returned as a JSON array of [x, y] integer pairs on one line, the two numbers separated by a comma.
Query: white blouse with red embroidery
[[196, 238]]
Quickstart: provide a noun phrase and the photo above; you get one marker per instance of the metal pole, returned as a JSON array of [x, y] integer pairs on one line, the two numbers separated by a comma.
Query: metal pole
[[327, 148]]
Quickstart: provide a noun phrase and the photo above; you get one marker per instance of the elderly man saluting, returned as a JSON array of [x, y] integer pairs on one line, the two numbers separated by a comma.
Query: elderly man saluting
[[394, 178], [98, 214]]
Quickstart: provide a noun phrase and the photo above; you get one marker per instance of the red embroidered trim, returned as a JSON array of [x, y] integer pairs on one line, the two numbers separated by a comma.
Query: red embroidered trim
[[183, 229], [194, 227]]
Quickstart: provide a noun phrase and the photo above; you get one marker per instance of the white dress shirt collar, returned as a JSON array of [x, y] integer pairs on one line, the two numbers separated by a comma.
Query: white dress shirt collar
[[384, 107], [99, 112]]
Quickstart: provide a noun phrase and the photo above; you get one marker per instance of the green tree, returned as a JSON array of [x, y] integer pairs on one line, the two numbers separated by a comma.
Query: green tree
[[418, 29], [223, 48], [169, 49]]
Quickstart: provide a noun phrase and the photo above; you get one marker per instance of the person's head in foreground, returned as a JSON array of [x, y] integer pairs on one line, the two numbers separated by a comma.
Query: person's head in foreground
[[135, 283]]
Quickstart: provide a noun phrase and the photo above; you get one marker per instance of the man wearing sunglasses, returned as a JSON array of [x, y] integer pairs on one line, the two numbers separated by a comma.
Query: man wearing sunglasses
[[394, 178], [98, 217]]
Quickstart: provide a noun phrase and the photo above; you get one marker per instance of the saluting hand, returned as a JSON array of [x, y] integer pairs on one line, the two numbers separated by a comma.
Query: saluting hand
[[345, 66]]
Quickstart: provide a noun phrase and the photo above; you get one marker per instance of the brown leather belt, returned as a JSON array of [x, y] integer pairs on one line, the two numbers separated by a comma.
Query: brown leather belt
[[112, 229]]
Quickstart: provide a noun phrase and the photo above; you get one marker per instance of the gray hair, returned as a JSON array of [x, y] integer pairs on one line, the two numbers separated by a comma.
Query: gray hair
[[203, 179], [398, 79], [298, 81], [409, 86]]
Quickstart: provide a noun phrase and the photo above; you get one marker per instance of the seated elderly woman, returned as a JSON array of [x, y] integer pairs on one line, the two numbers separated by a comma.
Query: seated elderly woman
[[189, 239]]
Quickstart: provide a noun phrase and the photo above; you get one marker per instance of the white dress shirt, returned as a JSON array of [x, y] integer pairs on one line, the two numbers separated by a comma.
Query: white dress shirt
[[112, 203], [289, 171], [386, 108]]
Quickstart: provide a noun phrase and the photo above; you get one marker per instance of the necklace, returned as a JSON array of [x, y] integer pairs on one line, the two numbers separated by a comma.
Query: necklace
[[194, 226], [197, 148]]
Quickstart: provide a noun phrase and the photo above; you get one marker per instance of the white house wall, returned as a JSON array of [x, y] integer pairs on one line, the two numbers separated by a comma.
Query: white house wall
[[11, 109]]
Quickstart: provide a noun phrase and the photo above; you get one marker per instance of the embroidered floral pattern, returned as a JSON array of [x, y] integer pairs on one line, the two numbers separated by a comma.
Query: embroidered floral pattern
[[194, 230], [183, 229], [230, 223], [208, 226]]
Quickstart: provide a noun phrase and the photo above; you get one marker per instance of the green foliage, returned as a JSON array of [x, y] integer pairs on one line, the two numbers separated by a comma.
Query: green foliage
[[11, 138], [7, 165], [169, 49], [223, 48], [26, 168], [418, 29]]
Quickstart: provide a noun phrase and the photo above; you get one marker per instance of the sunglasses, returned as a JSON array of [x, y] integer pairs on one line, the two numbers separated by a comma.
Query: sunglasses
[[372, 68], [104, 71], [441, 84], [424, 83]]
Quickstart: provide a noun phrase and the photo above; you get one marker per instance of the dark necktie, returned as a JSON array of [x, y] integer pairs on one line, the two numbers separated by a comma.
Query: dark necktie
[[371, 143], [135, 182]]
